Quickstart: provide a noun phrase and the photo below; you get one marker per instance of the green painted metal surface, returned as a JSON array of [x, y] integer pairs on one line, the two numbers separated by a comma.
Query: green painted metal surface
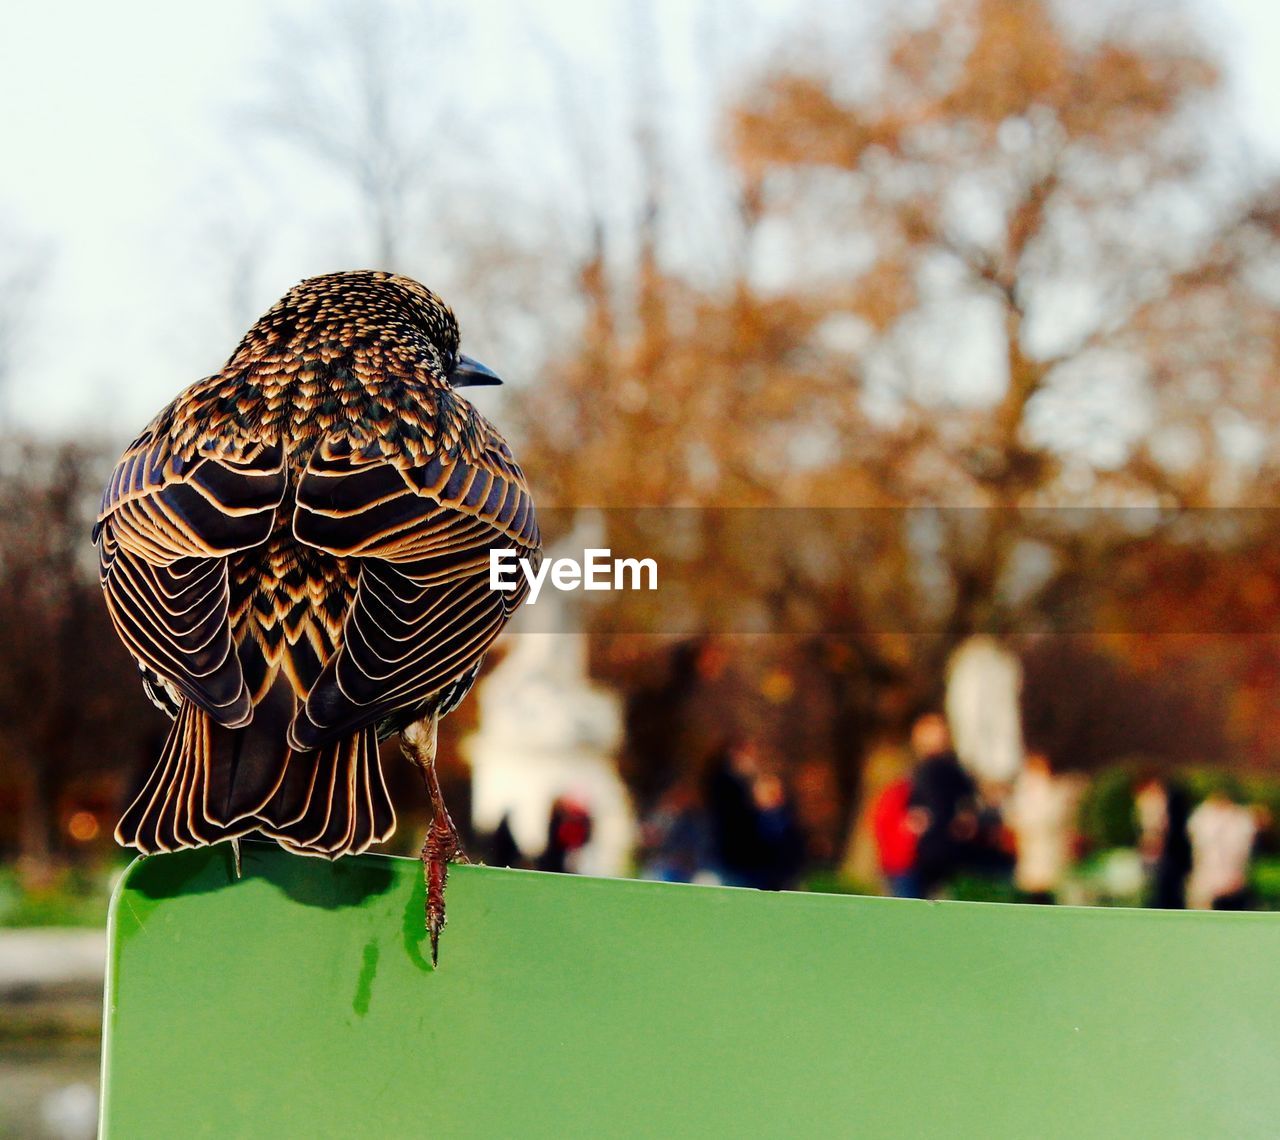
[[299, 1002]]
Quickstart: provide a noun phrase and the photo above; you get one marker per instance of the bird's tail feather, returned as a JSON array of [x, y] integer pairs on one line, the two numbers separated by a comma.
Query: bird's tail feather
[[247, 766], [334, 804], [213, 783], [169, 813]]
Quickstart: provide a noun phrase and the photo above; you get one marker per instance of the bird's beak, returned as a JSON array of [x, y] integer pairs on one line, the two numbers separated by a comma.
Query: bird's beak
[[469, 373]]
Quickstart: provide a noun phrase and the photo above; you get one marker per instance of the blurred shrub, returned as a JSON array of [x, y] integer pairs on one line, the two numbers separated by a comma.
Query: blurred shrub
[[1265, 880], [73, 897], [1264, 791], [984, 888], [1201, 783], [1108, 878], [1107, 817], [825, 882]]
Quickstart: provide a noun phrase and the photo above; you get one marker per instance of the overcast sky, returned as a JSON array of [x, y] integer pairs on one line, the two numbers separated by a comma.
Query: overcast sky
[[123, 161]]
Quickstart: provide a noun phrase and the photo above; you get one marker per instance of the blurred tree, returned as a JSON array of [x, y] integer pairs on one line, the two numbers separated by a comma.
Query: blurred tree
[[993, 263], [71, 703], [1057, 295], [1089, 704], [358, 88], [22, 264], [372, 94]]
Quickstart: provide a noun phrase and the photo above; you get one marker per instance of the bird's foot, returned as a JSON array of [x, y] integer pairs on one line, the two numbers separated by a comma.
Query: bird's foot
[[441, 848]]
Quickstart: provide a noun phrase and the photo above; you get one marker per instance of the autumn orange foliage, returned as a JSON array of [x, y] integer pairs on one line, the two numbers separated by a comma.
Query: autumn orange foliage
[[994, 310]]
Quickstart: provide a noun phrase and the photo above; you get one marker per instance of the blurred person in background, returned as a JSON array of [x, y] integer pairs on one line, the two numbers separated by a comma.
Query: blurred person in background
[[731, 813], [675, 840], [1041, 812], [897, 831], [1163, 808], [780, 841], [756, 840], [1222, 836], [568, 831], [504, 851], [943, 806]]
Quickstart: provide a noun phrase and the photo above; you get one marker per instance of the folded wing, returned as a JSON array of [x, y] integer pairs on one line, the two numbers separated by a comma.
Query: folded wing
[[421, 523], [165, 529]]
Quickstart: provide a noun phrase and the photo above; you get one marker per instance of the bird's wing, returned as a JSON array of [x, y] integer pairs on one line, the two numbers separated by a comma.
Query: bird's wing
[[421, 525], [167, 524]]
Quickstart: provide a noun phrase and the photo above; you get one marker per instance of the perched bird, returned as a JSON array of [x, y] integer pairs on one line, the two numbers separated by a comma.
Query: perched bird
[[296, 552]]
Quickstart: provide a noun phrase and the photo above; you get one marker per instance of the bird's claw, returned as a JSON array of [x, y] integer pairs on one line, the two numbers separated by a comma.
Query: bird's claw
[[441, 848], [435, 925]]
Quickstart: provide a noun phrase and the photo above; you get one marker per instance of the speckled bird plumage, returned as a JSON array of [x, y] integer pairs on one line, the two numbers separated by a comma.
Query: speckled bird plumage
[[296, 553]]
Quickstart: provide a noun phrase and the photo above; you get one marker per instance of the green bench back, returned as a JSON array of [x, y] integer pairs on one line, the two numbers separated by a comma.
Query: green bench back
[[299, 1002]]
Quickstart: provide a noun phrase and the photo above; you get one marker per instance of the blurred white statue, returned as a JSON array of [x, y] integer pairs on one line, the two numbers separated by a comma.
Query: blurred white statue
[[1041, 810], [546, 730], [1222, 837], [984, 685]]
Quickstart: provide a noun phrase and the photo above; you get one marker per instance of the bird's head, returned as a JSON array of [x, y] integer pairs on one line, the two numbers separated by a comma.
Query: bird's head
[[365, 308], [430, 314]]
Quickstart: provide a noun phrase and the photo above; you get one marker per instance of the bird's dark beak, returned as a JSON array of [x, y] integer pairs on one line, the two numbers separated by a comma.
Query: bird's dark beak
[[468, 373]]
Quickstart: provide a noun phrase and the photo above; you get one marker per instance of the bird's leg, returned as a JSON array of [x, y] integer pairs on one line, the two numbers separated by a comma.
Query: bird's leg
[[442, 846], [235, 855]]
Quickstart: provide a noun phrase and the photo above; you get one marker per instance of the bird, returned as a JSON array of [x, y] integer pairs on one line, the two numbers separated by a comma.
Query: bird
[[296, 553]]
